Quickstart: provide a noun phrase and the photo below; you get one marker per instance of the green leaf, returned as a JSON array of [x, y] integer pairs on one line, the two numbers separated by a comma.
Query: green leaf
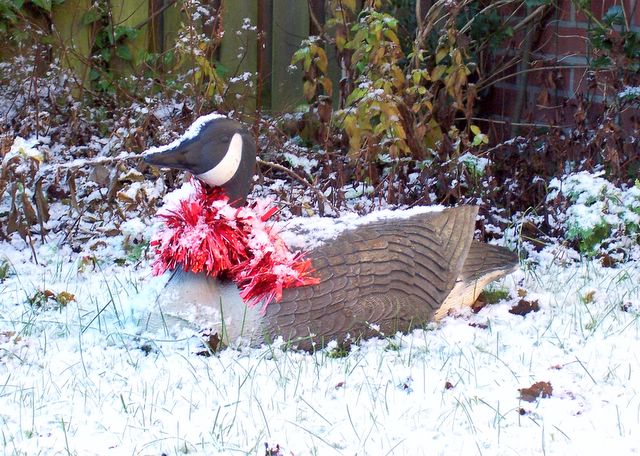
[[44, 4], [167, 59], [105, 54], [614, 15], [357, 94], [92, 15], [124, 53], [299, 54], [125, 32], [222, 70], [475, 129]]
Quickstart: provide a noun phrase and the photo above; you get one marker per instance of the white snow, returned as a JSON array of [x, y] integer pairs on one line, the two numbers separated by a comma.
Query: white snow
[[474, 163], [84, 379], [597, 203], [298, 161], [26, 148], [630, 92]]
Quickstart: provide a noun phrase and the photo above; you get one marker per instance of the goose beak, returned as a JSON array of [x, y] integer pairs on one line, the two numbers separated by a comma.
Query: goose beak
[[177, 158]]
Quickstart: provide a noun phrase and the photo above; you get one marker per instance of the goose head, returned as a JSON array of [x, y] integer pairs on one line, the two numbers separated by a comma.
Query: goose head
[[217, 150]]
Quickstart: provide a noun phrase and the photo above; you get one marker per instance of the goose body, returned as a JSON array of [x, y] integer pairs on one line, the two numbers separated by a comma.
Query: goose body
[[387, 276]]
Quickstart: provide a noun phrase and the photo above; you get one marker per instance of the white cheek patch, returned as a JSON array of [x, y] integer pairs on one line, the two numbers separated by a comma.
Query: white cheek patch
[[224, 171]]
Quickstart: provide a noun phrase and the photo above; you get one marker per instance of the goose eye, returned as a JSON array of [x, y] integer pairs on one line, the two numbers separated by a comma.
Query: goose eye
[[225, 139]]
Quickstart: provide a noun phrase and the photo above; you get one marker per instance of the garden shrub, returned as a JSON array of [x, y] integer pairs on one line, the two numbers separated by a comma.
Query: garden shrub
[[599, 217]]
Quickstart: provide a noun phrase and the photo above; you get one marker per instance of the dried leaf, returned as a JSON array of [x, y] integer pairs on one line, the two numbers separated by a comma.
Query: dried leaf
[[524, 307], [64, 297], [101, 175], [28, 210], [42, 206], [6, 336], [479, 325], [73, 191], [538, 389], [133, 175], [588, 297], [213, 344]]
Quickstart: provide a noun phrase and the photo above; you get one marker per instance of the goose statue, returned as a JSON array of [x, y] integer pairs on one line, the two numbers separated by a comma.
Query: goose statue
[[380, 278]]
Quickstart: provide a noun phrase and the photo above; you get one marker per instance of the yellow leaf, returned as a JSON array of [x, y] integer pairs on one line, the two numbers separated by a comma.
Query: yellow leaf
[[398, 77], [391, 35], [399, 131], [327, 85], [457, 57], [433, 134], [441, 54], [437, 72], [321, 60], [350, 4], [475, 129], [309, 89]]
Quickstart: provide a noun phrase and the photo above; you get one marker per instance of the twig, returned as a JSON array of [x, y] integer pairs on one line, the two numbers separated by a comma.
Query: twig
[[520, 124], [162, 9], [79, 163], [302, 180], [488, 83], [124, 157]]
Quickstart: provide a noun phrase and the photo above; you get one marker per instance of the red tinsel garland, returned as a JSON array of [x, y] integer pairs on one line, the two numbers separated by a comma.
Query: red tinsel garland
[[204, 234]]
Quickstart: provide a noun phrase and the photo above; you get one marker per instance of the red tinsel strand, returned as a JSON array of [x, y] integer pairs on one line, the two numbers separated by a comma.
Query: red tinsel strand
[[204, 234]]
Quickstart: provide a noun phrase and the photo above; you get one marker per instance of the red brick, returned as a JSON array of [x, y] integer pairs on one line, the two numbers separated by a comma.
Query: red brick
[[554, 79], [563, 41], [634, 12], [581, 83], [564, 10], [499, 102]]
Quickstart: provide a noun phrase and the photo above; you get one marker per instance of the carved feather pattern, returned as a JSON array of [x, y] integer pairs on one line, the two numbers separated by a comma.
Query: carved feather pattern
[[394, 274]]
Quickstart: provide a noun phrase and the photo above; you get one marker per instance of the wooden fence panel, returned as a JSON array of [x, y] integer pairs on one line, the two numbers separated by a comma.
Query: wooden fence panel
[[74, 39], [290, 26], [132, 13], [239, 52]]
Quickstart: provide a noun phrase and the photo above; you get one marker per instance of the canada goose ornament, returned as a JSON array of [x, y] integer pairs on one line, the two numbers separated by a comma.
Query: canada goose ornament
[[380, 278]]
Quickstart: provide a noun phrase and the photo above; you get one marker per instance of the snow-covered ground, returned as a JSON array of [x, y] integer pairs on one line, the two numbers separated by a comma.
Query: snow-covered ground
[[77, 375]]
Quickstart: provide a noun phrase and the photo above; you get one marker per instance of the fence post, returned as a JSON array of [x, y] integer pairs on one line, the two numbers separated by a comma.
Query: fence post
[[74, 40], [239, 52], [132, 13], [289, 27]]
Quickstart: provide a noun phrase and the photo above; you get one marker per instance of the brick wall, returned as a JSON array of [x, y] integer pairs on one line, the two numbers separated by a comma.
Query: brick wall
[[557, 82]]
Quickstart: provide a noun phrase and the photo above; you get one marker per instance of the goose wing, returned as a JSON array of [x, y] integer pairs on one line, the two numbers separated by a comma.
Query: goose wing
[[380, 278]]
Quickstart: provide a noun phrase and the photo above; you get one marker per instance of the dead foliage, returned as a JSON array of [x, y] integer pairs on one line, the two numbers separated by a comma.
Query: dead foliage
[[535, 391], [523, 307]]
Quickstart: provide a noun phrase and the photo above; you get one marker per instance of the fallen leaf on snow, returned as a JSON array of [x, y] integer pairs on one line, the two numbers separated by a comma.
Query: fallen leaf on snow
[[524, 307], [538, 389]]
